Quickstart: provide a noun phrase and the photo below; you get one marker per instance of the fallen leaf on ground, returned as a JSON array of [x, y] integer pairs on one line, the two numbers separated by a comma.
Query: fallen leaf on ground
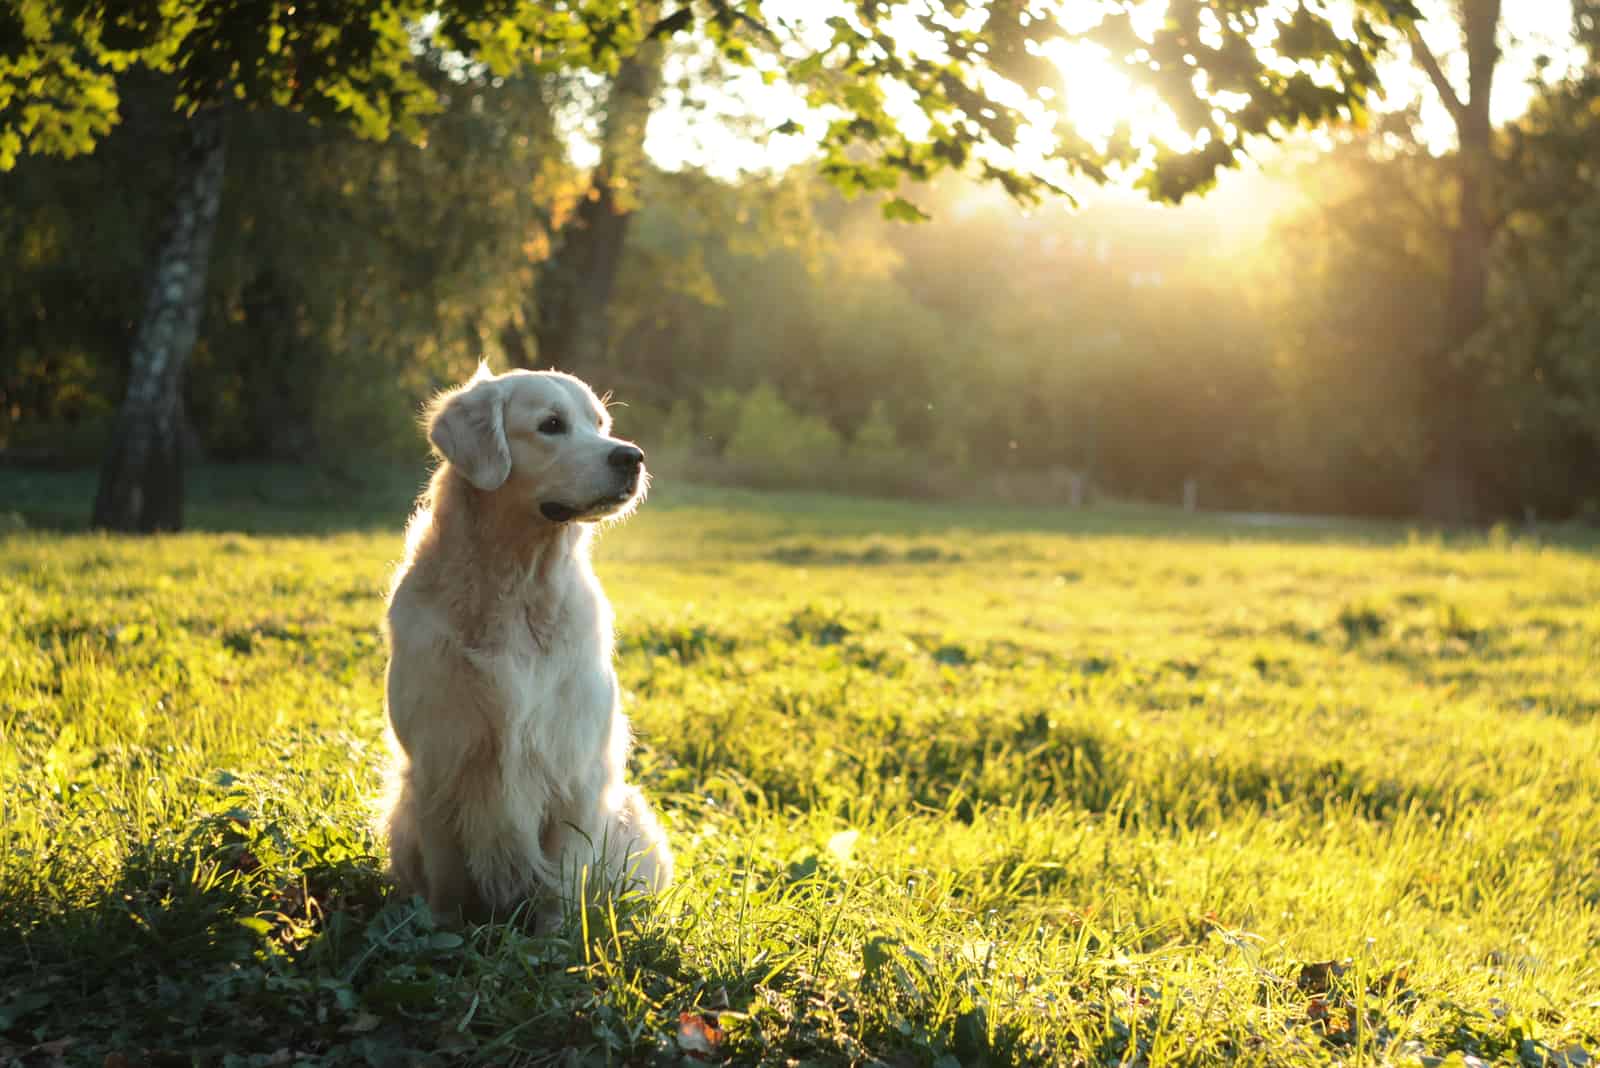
[[699, 1036], [1318, 978]]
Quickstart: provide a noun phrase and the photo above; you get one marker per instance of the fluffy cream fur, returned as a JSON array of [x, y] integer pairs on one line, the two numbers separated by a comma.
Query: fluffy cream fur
[[510, 751]]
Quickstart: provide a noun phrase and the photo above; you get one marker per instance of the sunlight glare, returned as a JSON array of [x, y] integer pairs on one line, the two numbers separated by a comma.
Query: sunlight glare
[[1100, 95]]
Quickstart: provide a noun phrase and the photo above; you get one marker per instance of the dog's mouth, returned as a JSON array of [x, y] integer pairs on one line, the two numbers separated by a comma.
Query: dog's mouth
[[557, 512], [561, 512]]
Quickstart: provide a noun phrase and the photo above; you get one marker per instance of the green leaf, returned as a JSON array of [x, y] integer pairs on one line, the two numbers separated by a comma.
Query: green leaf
[[878, 951], [900, 209], [445, 940]]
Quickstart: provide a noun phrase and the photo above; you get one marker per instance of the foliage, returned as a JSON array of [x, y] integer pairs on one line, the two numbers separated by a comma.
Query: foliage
[[352, 279], [1278, 355], [332, 61], [1355, 291], [348, 278], [74, 262], [1265, 342], [963, 67], [775, 444], [1210, 70], [1539, 348], [875, 460], [1109, 788], [987, 344]]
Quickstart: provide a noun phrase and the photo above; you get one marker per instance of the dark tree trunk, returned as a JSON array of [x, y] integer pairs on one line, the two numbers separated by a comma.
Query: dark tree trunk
[[279, 384], [141, 481], [573, 291], [1450, 482], [1450, 490], [514, 346], [575, 285]]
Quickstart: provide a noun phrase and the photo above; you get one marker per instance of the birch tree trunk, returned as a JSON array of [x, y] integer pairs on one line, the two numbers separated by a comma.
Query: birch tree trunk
[[141, 480]]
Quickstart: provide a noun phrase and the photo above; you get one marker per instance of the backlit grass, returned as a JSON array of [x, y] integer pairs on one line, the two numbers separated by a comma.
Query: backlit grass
[[948, 786]]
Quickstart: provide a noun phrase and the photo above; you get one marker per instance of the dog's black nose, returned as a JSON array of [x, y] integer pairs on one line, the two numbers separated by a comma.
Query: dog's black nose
[[626, 456]]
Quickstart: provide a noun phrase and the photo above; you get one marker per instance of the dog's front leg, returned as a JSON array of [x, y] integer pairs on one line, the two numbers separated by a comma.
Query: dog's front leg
[[612, 847], [569, 854], [451, 893], [636, 850]]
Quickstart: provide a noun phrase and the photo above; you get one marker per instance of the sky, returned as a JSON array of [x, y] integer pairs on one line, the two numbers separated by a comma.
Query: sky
[[717, 126]]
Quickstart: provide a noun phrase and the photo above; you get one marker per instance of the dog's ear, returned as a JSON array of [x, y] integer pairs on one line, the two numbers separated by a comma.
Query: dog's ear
[[468, 427]]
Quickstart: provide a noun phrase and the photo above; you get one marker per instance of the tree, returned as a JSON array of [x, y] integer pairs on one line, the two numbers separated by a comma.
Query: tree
[[70, 284], [1352, 300], [331, 60], [348, 276], [141, 483], [347, 63], [1450, 492], [1537, 351], [575, 283]]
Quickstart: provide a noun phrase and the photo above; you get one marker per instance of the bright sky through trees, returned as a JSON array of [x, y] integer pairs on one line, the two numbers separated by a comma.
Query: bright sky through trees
[[700, 126]]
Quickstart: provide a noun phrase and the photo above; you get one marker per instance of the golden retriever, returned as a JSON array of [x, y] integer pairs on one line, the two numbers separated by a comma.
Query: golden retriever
[[510, 752]]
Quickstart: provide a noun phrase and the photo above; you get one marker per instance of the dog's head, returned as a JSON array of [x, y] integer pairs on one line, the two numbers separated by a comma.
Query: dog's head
[[541, 436]]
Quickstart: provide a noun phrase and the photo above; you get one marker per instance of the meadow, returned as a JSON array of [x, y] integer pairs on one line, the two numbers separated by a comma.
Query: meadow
[[949, 785]]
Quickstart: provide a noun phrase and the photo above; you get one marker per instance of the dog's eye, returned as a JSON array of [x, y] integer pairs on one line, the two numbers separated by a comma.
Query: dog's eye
[[553, 425]]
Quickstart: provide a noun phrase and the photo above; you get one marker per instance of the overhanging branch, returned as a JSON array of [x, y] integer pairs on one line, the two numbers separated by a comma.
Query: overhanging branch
[[1441, 84]]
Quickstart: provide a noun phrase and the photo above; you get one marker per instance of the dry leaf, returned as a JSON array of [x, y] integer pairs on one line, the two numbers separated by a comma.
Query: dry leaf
[[699, 1036], [1318, 978]]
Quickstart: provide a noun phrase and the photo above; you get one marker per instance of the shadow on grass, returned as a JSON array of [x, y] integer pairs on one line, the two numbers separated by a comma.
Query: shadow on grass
[[203, 955], [243, 498], [191, 954]]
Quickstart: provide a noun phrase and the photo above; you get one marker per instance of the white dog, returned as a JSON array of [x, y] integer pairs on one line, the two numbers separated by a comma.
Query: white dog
[[509, 773]]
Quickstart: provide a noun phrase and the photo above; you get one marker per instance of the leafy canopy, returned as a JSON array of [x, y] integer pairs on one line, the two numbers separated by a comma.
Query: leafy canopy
[[358, 64], [980, 74]]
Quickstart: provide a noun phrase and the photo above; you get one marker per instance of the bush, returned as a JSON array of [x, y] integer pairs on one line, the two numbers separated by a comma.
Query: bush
[[773, 445], [876, 462], [677, 433], [758, 439], [719, 417]]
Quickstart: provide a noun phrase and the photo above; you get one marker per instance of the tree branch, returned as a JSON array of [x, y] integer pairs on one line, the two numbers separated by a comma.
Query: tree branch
[[1480, 20], [1441, 84]]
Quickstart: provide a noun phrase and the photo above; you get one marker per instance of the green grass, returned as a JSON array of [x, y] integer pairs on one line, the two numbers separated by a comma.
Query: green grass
[[947, 785]]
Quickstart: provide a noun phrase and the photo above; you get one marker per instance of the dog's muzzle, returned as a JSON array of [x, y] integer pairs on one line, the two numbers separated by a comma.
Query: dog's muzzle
[[628, 462]]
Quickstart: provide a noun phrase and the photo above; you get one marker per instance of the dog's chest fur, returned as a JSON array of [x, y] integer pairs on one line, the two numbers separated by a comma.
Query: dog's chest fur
[[551, 665]]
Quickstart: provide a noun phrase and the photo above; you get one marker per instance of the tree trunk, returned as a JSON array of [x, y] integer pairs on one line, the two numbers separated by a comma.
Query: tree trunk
[[279, 384], [573, 291], [1449, 492], [141, 481]]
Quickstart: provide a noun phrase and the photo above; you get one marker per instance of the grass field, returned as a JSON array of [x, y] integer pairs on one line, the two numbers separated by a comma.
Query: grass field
[[948, 786]]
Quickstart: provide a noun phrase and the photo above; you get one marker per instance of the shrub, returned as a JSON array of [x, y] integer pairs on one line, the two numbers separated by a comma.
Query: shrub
[[774, 445], [876, 462], [719, 417]]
